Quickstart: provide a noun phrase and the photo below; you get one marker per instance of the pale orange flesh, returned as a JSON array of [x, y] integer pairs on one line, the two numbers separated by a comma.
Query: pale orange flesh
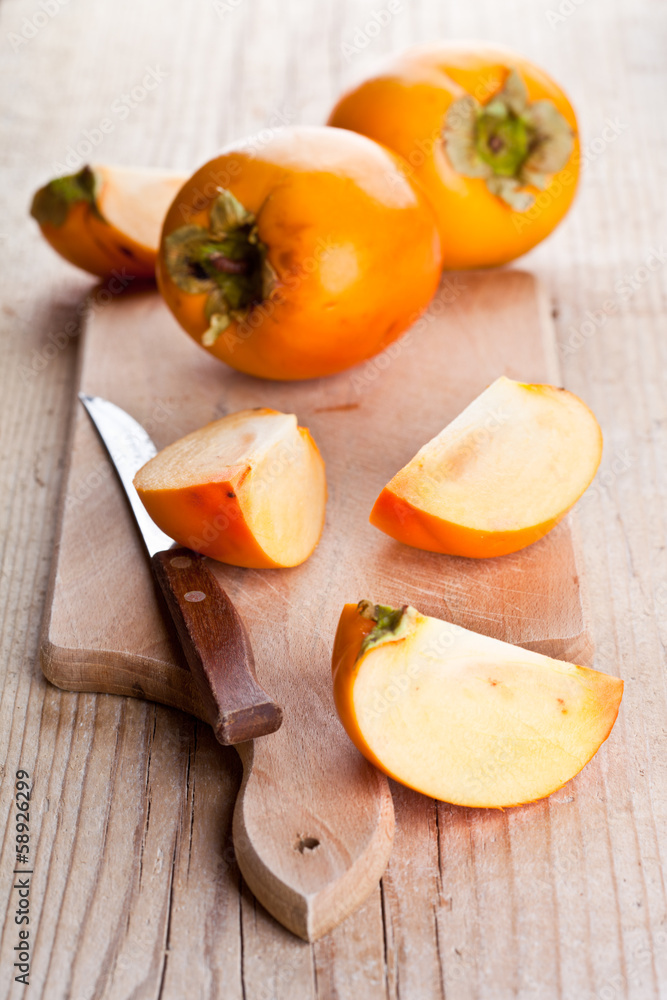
[[465, 718], [122, 235], [498, 477], [135, 202], [248, 489]]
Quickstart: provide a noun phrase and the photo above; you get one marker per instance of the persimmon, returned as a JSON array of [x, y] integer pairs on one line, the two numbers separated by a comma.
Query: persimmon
[[299, 256], [501, 475], [491, 137], [463, 717], [103, 218], [248, 490]]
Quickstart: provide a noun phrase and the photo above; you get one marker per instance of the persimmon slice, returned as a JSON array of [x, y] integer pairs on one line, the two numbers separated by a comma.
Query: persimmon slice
[[107, 219], [135, 201], [498, 477], [248, 489], [463, 717]]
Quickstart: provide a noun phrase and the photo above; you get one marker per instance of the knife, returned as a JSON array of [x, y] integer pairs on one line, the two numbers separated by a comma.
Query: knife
[[209, 629]]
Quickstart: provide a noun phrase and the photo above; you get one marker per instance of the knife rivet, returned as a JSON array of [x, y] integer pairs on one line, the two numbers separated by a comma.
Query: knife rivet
[[195, 595], [181, 562]]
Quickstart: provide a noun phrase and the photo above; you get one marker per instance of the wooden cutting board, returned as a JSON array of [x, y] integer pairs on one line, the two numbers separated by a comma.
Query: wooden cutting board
[[313, 822]]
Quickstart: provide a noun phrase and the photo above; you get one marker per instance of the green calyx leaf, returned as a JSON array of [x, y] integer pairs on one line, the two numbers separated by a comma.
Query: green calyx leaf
[[51, 203], [227, 261], [502, 142], [508, 142], [227, 214], [390, 623]]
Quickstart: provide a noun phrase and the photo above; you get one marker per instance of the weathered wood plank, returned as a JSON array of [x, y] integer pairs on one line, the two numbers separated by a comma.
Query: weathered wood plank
[[598, 880]]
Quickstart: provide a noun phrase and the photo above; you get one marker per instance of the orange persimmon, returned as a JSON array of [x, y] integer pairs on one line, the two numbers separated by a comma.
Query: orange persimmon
[[491, 138], [248, 489], [463, 717], [104, 219], [300, 255], [498, 477]]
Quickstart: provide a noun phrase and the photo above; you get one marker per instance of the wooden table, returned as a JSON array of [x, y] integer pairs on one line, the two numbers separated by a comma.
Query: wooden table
[[135, 891]]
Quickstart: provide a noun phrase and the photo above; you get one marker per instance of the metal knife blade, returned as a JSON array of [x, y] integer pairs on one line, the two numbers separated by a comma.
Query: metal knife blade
[[210, 631], [129, 447]]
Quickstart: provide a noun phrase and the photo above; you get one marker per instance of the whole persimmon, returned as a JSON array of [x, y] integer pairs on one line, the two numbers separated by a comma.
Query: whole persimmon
[[490, 137], [299, 255]]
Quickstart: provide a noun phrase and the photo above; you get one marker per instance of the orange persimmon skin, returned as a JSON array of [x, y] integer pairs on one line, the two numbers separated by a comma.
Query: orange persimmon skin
[[351, 632], [404, 108], [400, 519], [353, 627], [352, 242], [96, 246], [209, 519]]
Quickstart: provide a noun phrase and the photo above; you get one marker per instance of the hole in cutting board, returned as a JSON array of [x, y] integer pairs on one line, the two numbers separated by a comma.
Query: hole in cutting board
[[304, 844]]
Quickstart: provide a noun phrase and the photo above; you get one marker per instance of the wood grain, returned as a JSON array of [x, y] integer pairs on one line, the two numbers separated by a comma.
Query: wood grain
[[313, 855], [119, 780]]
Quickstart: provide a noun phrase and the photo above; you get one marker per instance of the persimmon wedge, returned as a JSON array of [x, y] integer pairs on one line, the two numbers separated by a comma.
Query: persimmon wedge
[[498, 477], [248, 489], [463, 717], [104, 219]]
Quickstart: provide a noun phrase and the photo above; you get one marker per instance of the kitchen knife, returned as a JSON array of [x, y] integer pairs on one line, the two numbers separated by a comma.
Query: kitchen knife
[[210, 631]]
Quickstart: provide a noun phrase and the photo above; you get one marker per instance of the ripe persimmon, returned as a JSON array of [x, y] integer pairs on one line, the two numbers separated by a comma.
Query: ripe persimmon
[[463, 717], [103, 218], [490, 137], [299, 256], [248, 489], [501, 475]]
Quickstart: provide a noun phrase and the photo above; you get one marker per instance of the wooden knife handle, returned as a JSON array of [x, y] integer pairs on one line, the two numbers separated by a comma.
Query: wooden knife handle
[[216, 647]]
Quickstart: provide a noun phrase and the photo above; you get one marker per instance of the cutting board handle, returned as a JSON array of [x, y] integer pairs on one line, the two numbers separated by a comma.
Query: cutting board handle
[[217, 648], [310, 870]]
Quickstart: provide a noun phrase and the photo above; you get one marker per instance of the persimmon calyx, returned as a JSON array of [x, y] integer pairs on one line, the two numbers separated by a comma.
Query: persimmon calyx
[[390, 623], [51, 204], [509, 142], [227, 261]]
